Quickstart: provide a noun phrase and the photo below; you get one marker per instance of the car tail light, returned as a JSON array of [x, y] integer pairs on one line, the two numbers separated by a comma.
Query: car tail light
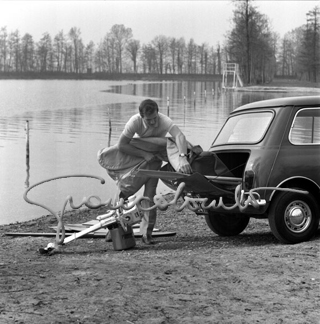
[[248, 180]]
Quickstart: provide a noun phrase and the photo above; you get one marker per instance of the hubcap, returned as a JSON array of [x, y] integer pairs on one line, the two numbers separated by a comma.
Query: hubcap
[[297, 216]]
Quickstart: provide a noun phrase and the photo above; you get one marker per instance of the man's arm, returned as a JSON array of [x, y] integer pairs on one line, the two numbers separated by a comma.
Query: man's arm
[[181, 143], [125, 147]]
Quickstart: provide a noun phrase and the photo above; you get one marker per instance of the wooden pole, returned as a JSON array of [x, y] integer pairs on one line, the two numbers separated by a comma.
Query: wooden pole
[[27, 155], [110, 128]]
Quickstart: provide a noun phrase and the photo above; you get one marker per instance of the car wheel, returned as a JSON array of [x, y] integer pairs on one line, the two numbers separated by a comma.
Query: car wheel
[[226, 224], [293, 217]]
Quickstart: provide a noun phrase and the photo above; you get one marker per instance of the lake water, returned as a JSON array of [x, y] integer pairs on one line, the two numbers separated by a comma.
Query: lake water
[[69, 122]]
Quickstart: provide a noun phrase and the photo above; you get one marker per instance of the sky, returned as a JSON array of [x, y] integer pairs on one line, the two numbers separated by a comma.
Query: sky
[[204, 21]]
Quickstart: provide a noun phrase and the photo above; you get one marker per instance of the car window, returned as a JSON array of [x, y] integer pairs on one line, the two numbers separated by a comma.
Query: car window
[[305, 128], [244, 128]]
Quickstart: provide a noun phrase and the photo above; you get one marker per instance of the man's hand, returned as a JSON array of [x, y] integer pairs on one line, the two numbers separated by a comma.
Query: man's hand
[[184, 165]]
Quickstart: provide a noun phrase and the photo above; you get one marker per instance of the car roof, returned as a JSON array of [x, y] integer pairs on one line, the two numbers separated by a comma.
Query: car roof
[[282, 102]]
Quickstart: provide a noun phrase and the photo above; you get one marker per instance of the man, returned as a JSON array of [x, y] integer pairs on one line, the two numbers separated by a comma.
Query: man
[[150, 123]]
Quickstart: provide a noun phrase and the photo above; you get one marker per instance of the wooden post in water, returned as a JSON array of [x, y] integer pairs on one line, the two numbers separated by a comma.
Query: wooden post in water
[[184, 110], [168, 106], [27, 155], [110, 131], [110, 128]]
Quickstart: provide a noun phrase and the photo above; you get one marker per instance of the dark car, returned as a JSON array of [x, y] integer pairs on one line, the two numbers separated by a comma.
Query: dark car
[[267, 165]]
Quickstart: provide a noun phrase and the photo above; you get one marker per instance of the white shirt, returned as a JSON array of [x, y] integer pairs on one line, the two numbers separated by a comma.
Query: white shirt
[[136, 125]]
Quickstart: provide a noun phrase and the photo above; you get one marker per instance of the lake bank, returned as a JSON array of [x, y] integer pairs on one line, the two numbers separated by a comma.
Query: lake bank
[[284, 85], [193, 277], [110, 76]]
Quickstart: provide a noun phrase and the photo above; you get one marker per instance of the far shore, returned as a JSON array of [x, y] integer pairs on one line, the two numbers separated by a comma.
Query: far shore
[[278, 84], [285, 85], [110, 76]]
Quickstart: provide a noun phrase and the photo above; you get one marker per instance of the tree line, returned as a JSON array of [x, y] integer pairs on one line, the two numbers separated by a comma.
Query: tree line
[[299, 51], [260, 53]]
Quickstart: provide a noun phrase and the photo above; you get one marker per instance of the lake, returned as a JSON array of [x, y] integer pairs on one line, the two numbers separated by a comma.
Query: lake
[[70, 121]]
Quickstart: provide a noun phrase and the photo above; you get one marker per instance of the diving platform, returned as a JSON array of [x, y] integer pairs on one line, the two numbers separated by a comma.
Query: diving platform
[[230, 76]]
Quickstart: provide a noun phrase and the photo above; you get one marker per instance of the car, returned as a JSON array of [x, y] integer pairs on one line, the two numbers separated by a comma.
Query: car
[[263, 163], [273, 145]]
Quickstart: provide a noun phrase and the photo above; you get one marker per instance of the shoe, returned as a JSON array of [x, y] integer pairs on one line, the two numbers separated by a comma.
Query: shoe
[[147, 239]]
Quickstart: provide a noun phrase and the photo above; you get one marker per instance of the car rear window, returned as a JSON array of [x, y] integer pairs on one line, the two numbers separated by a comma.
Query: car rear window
[[305, 128], [246, 128]]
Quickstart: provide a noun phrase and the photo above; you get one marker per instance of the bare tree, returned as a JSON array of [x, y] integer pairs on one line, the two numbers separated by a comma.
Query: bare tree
[[110, 62], [98, 58], [181, 49], [287, 53], [133, 48], [309, 52], [14, 43], [27, 53], [148, 58], [89, 56], [121, 35], [59, 48], [160, 44], [203, 57], [219, 59], [212, 61], [173, 48], [250, 43], [3, 49], [44, 48], [191, 56], [67, 59], [240, 39], [74, 35]]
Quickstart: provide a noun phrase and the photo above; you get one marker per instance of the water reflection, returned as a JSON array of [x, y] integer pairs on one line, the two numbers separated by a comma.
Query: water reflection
[[65, 137]]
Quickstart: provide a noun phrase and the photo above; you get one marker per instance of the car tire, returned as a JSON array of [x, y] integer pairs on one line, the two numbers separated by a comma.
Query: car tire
[[226, 224], [293, 217]]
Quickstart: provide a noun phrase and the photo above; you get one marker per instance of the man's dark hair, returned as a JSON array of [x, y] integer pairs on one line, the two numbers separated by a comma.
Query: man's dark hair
[[148, 107]]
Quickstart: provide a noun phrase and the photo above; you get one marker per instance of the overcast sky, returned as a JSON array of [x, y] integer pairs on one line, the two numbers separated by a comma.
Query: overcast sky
[[204, 21]]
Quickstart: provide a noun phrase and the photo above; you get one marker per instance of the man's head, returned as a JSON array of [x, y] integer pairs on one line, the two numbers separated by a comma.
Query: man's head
[[149, 112], [148, 107]]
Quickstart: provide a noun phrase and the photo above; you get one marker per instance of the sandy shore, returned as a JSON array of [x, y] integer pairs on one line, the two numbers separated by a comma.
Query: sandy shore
[[192, 277]]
